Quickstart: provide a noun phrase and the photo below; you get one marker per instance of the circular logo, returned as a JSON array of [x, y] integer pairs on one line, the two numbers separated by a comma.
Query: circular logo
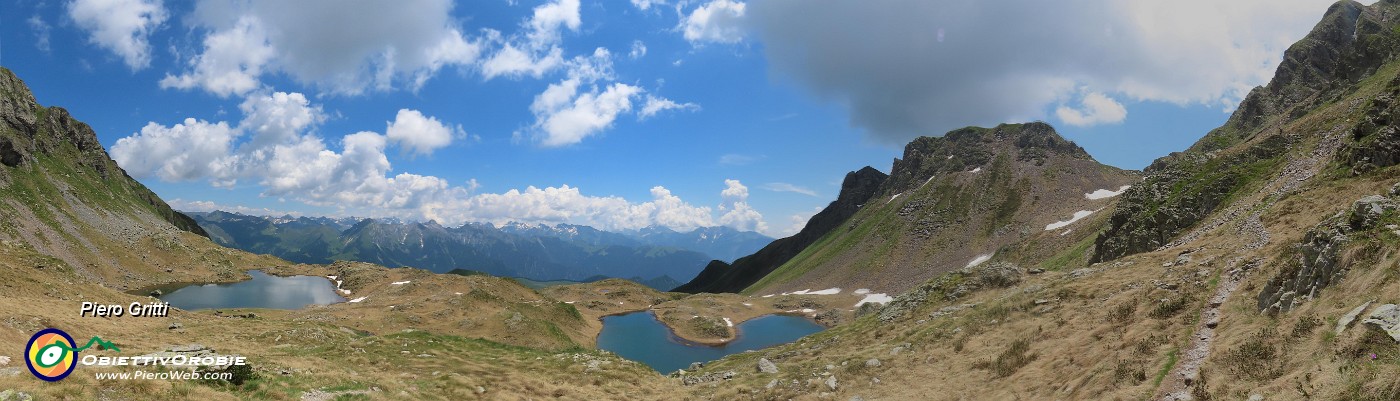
[[50, 354]]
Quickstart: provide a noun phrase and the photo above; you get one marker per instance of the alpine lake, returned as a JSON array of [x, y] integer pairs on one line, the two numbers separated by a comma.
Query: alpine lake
[[639, 336], [262, 291]]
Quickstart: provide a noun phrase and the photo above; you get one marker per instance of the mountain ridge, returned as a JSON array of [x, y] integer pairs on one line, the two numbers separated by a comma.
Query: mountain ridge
[[718, 276], [970, 196]]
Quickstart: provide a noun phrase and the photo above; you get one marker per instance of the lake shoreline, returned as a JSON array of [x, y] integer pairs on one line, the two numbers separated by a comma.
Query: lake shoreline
[[642, 337]]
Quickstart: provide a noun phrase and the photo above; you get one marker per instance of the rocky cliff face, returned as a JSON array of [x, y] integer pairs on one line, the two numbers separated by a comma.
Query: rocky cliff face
[[1349, 45], [856, 189]]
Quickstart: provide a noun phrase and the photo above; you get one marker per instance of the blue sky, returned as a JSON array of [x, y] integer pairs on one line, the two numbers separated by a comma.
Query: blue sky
[[610, 113]]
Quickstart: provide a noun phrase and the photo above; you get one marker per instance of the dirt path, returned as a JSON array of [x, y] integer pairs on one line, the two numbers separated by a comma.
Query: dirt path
[[1178, 383]]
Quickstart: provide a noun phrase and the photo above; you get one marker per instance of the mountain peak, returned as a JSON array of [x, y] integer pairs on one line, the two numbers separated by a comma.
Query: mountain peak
[[971, 149]]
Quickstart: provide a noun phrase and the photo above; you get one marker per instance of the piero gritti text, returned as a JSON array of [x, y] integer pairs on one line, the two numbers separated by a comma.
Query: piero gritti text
[[135, 309]]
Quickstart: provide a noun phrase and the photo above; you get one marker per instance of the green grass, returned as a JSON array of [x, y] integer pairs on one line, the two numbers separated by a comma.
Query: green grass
[[1166, 368], [1075, 256]]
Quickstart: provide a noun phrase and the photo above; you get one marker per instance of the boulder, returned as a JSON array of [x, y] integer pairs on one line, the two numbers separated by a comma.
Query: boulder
[[831, 382], [767, 366], [1351, 316], [872, 363], [1365, 212], [1386, 318]]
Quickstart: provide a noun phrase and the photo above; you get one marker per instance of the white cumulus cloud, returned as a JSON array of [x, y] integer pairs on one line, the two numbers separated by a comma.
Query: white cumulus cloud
[[231, 62], [536, 51], [191, 150], [582, 104], [122, 26], [736, 211], [718, 21], [1095, 108], [418, 133], [389, 46]]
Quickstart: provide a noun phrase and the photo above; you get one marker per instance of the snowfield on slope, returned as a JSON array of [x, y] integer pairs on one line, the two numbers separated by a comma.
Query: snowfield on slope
[[1077, 216], [1106, 193]]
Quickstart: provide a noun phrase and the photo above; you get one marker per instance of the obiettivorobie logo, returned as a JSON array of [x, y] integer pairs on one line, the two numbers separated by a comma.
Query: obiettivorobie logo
[[51, 354]]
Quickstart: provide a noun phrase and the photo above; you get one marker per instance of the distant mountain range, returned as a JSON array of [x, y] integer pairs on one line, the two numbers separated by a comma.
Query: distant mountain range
[[537, 252]]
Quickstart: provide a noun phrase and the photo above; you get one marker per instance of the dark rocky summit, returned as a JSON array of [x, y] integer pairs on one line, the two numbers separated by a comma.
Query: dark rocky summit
[[857, 188]]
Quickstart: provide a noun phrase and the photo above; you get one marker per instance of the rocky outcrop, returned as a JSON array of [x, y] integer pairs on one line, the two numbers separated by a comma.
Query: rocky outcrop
[[1178, 193], [1375, 141], [1316, 262], [952, 286], [858, 187], [967, 148]]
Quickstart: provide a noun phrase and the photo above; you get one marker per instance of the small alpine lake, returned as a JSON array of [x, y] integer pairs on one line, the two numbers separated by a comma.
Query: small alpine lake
[[639, 336], [262, 291]]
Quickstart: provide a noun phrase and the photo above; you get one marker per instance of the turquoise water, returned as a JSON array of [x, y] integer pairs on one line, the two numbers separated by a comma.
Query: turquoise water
[[640, 337], [263, 291]]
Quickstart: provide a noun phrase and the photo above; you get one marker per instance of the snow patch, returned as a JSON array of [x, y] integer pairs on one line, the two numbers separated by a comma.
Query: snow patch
[[400, 282], [728, 322], [978, 169], [1077, 216], [828, 291], [769, 295], [877, 298], [344, 291], [808, 310], [456, 293], [862, 291], [893, 197], [1106, 193], [357, 300], [748, 304], [1066, 232], [979, 260], [569, 302]]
